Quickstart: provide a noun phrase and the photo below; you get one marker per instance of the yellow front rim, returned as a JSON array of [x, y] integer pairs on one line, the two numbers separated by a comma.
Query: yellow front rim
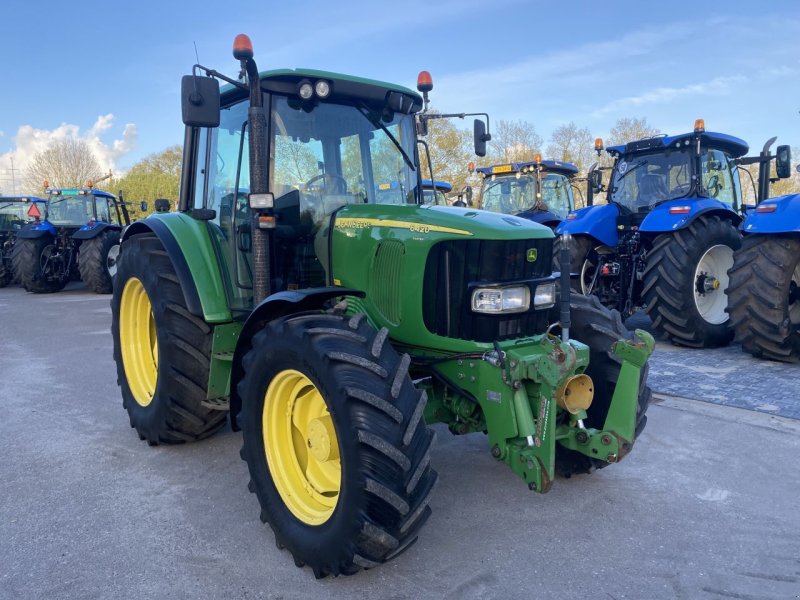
[[137, 338], [301, 447]]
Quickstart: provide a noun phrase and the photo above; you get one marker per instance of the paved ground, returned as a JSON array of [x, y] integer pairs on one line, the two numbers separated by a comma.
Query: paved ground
[[705, 507], [724, 376]]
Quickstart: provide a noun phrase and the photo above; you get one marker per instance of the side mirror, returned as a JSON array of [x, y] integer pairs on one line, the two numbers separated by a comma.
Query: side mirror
[[200, 101], [480, 137], [468, 194], [596, 181], [162, 205], [783, 162], [143, 206], [422, 126]]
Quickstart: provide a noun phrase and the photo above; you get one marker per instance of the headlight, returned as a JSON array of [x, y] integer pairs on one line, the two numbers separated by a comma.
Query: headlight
[[501, 300], [322, 88], [304, 90], [545, 295]]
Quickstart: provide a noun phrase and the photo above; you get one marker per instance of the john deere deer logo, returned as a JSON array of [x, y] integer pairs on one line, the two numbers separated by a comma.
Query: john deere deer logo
[[532, 254]]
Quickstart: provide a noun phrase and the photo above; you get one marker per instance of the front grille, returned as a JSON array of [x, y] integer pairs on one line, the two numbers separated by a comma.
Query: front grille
[[456, 266]]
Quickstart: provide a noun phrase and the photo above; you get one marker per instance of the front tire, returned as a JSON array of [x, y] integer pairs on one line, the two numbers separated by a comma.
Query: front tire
[[162, 351], [764, 296], [338, 452], [29, 259], [599, 328], [97, 261], [685, 281]]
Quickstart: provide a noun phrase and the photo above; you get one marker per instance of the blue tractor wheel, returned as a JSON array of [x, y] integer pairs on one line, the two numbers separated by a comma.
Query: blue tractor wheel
[[764, 297], [685, 281]]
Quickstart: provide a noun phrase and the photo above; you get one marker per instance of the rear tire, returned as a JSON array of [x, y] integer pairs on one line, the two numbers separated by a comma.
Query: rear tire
[[385, 479], [166, 349], [764, 297], [97, 260], [679, 283], [599, 328], [27, 258]]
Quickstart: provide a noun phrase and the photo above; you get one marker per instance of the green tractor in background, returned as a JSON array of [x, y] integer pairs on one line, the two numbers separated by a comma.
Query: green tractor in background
[[334, 330]]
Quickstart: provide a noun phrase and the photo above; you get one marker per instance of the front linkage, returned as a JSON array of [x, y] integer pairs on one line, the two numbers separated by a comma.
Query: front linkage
[[529, 395]]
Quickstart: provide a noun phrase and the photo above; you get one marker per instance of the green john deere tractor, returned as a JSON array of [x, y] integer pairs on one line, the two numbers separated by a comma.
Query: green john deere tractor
[[335, 330]]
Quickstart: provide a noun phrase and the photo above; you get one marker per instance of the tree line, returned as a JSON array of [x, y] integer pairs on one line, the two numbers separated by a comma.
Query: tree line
[[70, 163]]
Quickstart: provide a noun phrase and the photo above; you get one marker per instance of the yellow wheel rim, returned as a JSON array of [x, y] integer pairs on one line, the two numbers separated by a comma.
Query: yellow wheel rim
[[301, 447], [137, 337]]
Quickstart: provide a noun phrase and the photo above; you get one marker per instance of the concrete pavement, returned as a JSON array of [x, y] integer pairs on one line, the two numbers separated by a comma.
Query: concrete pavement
[[706, 505]]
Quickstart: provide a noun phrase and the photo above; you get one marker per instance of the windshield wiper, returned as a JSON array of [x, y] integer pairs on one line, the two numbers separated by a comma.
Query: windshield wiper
[[377, 123], [7, 205], [628, 172]]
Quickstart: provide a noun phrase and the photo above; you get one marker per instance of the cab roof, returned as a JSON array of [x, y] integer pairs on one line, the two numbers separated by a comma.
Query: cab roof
[[444, 186], [732, 145], [343, 86], [21, 199], [554, 166], [79, 192]]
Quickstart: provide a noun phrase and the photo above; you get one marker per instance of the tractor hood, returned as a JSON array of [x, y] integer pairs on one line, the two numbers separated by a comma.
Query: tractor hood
[[444, 220]]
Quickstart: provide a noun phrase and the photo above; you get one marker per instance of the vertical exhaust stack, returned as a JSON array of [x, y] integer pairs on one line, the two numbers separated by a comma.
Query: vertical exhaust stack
[[564, 265], [263, 219]]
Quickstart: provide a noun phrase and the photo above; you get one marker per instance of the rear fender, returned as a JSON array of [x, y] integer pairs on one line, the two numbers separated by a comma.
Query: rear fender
[[599, 222], [88, 232], [784, 219], [661, 220], [277, 305], [189, 246], [37, 230]]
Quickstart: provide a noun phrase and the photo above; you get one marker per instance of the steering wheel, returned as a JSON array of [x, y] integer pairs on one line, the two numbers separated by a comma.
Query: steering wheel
[[340, 185], [679, 190]]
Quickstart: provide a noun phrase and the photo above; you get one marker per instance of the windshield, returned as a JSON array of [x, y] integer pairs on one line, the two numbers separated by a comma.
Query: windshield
[[436, 197], [641, 181], [516, 193], [338, 154], [70, 210], [14, 215]]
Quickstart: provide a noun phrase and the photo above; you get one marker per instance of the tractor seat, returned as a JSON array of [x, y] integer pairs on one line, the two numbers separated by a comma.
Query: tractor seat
[[651, 190]]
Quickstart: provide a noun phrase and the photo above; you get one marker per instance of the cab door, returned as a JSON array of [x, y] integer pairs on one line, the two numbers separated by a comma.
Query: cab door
[[222, 180]]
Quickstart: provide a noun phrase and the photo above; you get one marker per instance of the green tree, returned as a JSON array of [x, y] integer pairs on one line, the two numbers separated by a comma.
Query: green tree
[[451, 151], [157, 175]]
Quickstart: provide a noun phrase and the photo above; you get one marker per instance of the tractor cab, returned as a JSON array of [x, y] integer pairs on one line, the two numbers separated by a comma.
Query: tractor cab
[[540, 190], [82, 208], [333, 140], [18, 211], [433, 192], [677, 169]]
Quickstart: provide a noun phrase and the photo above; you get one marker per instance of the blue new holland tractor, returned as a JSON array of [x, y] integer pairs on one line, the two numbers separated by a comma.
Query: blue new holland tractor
[[764, 290], [666, 238], [78, 239], [15, 213], [538, 190]]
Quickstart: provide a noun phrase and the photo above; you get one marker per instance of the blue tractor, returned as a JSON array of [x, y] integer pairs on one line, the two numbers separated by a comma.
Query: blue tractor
[[764, 290], [538, 190], [78, 239], [15, 213], [434, 192], [666, 238]]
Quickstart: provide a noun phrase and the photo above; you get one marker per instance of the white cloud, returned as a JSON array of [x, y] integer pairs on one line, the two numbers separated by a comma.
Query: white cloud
[[29, 141], [713, 87]]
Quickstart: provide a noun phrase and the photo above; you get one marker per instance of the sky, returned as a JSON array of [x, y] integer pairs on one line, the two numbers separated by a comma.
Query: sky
[[109, 73]]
